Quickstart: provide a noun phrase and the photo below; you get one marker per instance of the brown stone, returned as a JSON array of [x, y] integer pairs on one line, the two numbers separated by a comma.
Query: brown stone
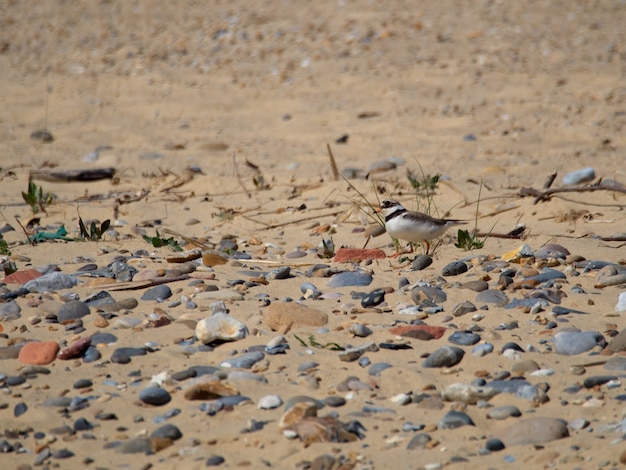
[[39, 353], [21, 277], [283, 316], [356, 255], [423, 332], [208, 389], [213, 259], [534, 431]]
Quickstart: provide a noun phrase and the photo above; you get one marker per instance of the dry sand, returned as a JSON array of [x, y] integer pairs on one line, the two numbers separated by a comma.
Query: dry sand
[[178, 85]]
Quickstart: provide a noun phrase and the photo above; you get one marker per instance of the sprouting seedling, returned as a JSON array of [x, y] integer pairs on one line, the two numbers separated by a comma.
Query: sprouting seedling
[[36, 198], [94, 233], [467, 241]]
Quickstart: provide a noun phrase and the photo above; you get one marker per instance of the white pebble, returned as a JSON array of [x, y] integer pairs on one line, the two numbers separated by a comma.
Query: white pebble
[[621, 302], [269, 402], [542, 372]]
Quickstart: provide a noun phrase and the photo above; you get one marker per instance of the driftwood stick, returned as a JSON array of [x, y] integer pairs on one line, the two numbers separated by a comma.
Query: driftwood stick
[[239, 177], [333, 163], [547, 194], [73, 175], [304, 219]]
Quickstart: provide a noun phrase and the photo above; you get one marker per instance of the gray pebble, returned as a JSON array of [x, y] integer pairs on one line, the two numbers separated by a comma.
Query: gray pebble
[[481, 350], [579, 176], [155, 396], [570, 343], [492, 296], [82, 424], [454, 269], [374, 298], [464, 338], [446, 356], [158, 293], [350, 278], [578, 424], [138, 445], [303, 399], [51, 282], [62, 454], [269, 402], [378, 367], [168, 431], [334, 401], [432, 293], [245, 361], [214, 461], [503, 412], [547, 275], [20, 409], [455, 419], [617, 363], [9, 311], [463, 308], [280, 273], [419, 441], [123, 355], [596, 380], [494, 445], [421, 262], [72, 310], [310, 291]]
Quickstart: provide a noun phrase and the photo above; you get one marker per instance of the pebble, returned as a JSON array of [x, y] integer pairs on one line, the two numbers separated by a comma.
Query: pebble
[[425, 292], [155, 396], [621, 302], [38, 353], [419, 441], [124, 355], [494, 445], [244, 361], [446, 356], [51, 282], [360, 330], [167, 431], [579, 176], [469, 394], [352, 354], [377, 368], [454, 268], [350, 278], [137, 445], [220, 327], [9, 311], [373, 298], [421, 262], [463, 308], [464, 338], [570, 343], [455, 419], [158, 293], [533, 431], [492, 296], [269, 402], [422, 332], [481, 350], [281, 316], [72, 310], [504, 412]]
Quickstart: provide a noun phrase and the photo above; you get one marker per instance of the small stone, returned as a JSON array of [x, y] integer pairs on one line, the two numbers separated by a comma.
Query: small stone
[[469, 394], [446, 356], [504, 412], [39, 353], [167, 431], [576, 342], [204, 388], [155, 396], [431, 293], [464, 338], [421, 262], [579, 176], [492, 296], [123, 355], [355, 255], [9, 311], [220, 327], [213, 259], [463, 308], [352, 354], [158, 293], [280, 273], [334, 401], [477, 285], [72, 310], [597, 380], [494, 445], [244, 361], [138, 445], [376, 369], [481, 350], [455, 419], [360, 330], [214, 461], [373, 298], [269, 402], [534, 431], [422, 332], [419, 441], [454, 268]]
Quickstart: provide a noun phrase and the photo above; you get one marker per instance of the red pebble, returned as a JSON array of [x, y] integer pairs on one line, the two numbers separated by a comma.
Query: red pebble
[[21, 277], [423, 332], [357, 254], [38, 353], [76, 349]]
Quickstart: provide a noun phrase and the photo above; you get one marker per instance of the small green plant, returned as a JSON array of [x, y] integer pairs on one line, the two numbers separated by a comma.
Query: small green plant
[[315, 344], [467, 241], [4, 247], [94, 233], [424, 187], [159, 241], [37, 199]]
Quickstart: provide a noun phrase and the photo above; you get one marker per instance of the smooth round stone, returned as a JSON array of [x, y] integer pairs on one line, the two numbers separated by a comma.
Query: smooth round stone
[[92, 354], [350, 278], [523, 367], [214, 461], [126, 323], [494, 445], [307, 366], [454, 268], [155, 396], [377, 368], [578, 424], [477, 285], [39, 353], [289, 404], [570, 343], [20, 409], [138, 445], [72, 310], [158, 293], [364, 361], [463, 308], [446, 356], [421, 262], [310, 291], [552, 250], [546, 275], [492, 296], [296, 254], [617, 363], [481, 350], [9, 311], [455, 419], [360, 330], [334, 401], [245, 361], [374, 298], [220, 327], [167, 431], [81, 424], [82, 383], [419, 441], [596, 380], [103, 338], [14, 380], [432, 293], [123, 355], [62, 454], [579, 176], [512, 346], [504, 412], [280, 273], [464, 338], [269, 402], [533, 431]]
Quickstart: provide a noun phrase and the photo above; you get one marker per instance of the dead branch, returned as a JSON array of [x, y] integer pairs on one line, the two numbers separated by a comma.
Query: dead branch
[[548, 193], [236, 168]]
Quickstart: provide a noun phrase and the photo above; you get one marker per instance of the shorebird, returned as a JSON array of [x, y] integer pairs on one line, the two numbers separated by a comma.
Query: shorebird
[[413, 227]]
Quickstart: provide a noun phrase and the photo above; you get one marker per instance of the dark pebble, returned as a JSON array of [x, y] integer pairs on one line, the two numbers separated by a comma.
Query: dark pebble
[[158, 293], [454, 269], [14, 380], [513, 346], [350, 278], [419, 441], [42, 135], [155, 396], [83, 383], [547, 275], [123, 355], [20, 409], [374, 298], [395, 346], [184, 375], [62, 454], [377, 368], [595, 380], [103, 338], [464, 338], [421, 262], [214, 461], [92, 354], [245, 361], [455, 419], [81, 424], [446, 356], [364, 361], [280, 273], [334, 401], [494, 445], [72, 310], [168, 431]]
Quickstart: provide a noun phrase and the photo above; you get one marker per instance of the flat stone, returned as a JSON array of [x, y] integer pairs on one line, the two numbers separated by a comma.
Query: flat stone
[[419, 441], [454, 268], [214, 259], [356, 255], [39, 353], [469, 394], [576, 342], [455, 419], [123, 355], [350, 278], [72, 310], [284, 316], [222, 294], [617, 363], [492, 296], [352, 354], [138, 445], [434, 294], [244, 361], [533, 431], [446, 356], [269, 402], [422, 332], [477, 286], [9, 311], [464, 338], [504, 412], [421, 262]]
